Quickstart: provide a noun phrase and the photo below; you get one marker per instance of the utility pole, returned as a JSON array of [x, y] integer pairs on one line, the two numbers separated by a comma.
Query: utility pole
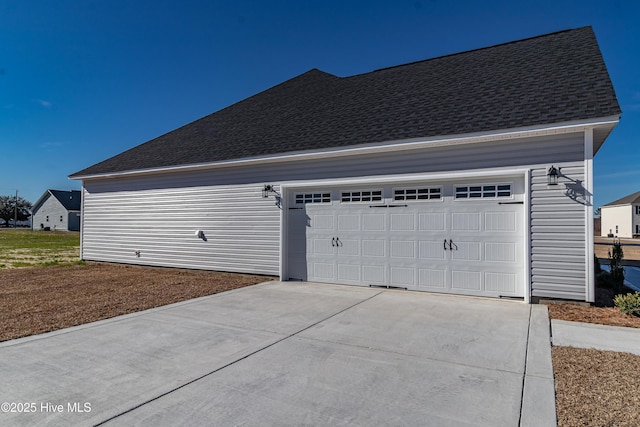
[[15, 212]]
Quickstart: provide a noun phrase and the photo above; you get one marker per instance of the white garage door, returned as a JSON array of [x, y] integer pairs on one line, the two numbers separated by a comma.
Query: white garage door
[[455, 237]]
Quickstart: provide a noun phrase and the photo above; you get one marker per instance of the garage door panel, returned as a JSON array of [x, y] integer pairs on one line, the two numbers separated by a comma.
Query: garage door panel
[[500, 221], [402, 222], [466, 251], [323, 271], [322, 246], [500, 252], [431, 278], [431, 250], [374, 274], [348, 223], [434, 221], [465, 221], [473, 246], [466, 280], [403, 249], [348, 247], [322, 222], [374, 248], [349, 272], [501, 282], [403, 276], [374, 222]]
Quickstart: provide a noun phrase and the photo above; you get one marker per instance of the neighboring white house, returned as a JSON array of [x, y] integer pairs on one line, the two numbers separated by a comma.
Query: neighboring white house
[[57, 210], [438, 175], [621, 218]]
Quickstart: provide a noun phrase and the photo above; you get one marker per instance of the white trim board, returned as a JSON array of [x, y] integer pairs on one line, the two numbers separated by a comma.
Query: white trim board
[[400, 145]]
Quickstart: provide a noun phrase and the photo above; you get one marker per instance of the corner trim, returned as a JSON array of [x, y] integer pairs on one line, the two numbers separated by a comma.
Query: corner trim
[[588, 211]]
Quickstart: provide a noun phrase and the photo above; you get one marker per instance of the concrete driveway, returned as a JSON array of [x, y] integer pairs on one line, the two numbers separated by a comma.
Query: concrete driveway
[[290, 354]]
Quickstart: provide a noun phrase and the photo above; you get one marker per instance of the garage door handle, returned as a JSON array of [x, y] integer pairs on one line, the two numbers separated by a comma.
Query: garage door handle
[[333, 242], [445, 244]]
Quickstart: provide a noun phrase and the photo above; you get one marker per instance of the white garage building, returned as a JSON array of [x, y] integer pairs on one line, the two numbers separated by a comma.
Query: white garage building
[[469, 174]]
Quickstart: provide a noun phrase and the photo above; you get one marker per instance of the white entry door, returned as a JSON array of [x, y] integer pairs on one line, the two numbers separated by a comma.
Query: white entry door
[[455, 237]]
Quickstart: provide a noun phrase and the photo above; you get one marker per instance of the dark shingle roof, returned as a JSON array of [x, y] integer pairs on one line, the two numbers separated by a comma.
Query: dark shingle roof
[[548, 79], [631, 199], [69, 199]]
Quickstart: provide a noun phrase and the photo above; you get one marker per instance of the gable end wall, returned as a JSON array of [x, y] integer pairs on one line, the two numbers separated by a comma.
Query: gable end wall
[[53, 210]]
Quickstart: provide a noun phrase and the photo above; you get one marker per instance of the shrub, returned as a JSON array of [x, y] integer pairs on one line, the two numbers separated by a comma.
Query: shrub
[[615, 264], [604, 280], [629, 303]]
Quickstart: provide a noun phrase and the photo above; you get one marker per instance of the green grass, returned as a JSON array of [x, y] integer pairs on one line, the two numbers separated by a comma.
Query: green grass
[[28, 248], [17, 238]]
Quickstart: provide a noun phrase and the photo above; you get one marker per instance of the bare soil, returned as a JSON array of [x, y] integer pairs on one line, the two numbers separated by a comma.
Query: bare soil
[[42, 299], [596, 388], [603, 312]]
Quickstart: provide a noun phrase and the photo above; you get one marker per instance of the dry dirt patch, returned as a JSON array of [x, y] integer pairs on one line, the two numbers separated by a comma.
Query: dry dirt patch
[[16, 258], [589, 314], [596, 388], [43, 299]]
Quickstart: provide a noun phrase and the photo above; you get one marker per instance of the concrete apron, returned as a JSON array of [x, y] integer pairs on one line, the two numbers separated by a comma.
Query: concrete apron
[[291, 354]]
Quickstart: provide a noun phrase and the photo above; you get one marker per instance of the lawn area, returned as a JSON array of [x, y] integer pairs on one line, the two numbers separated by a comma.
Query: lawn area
[[21, 247]]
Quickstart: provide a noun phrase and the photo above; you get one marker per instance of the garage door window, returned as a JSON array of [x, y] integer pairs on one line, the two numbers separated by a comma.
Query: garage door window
[[489, 191], [362, 196], [313, 198], [426, 193]]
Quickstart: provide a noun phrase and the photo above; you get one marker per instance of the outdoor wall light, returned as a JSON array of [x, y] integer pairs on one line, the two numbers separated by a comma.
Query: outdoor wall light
[[552, 175], [268, 188]]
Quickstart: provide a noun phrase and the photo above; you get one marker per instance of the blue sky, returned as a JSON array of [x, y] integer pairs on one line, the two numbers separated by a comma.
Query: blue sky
[[83, 80]]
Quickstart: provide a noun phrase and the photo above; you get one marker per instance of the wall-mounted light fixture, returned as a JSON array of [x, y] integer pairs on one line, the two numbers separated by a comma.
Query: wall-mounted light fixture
[[268, 188], [552, 175]]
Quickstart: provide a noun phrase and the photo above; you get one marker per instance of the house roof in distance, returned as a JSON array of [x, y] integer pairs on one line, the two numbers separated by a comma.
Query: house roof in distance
[[631, 199], [70, 199], [554, 78]]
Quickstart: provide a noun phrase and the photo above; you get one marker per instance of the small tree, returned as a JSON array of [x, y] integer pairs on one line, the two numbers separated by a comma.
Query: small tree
[[615, 265], [8, 209]]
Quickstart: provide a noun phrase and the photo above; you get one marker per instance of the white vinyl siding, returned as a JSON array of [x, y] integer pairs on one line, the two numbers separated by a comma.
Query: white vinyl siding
[[240, 226], [558, 233], [159, 215]]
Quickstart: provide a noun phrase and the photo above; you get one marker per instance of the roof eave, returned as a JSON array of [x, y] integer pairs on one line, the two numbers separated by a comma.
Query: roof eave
[[388, 146]]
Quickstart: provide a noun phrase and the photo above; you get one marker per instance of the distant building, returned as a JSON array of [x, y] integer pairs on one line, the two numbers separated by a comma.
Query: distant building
[[621, 218], [57, 210]]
